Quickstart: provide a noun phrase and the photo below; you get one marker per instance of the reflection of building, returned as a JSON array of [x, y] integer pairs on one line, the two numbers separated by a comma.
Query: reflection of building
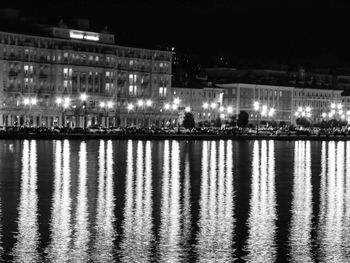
[[39, 71]]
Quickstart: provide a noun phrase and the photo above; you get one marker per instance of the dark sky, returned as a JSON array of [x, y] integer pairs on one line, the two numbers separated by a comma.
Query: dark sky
[[247, 32]]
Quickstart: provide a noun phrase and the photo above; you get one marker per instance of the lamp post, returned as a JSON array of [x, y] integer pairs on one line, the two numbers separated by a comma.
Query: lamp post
[[262, 110], [64, 104], [83, 98], [106, 106], [303, 112], [29, 102], [143, 105]]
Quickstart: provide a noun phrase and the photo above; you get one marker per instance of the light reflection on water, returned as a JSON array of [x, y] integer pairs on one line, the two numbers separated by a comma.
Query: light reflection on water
[[27, 238], [334, 225], [300, 227], [261, 245], [171, 201], [137, 225], [216, 219]]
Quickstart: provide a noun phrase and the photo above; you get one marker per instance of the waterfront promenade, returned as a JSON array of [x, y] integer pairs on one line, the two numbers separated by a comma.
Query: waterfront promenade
[[82, 136]]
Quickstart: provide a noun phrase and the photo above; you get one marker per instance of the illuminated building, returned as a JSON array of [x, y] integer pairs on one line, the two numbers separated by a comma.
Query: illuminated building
[[66, 76]]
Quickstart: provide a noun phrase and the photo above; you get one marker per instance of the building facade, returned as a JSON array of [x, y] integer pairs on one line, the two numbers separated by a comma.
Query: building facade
[[69, 77], [204, 102], [285, 101]]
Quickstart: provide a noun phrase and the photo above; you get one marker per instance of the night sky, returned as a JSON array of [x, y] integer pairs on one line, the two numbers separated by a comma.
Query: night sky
[[243, 32]]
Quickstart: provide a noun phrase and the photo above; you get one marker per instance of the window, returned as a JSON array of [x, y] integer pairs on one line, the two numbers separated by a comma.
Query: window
[[132, 84], [162, 92], [26, 70]]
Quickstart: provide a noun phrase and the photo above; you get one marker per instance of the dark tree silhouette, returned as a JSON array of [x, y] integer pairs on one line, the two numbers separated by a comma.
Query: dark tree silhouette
[[243, 119], [188, 122]]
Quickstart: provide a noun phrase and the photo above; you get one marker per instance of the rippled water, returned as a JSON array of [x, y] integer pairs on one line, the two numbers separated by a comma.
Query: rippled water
[[170, 201]]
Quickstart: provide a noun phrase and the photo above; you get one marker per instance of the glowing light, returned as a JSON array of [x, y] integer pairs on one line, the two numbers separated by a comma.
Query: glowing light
[[26, 101], [333, 105], [324, 115], [271, 112], [339, 106], [84, 35], [340, 112], [296, 114], [229, 109], [66, 102], [213, 105], [59, 100], [177, 101], [342, 116], [348, 112], [221, 109], [256, 105], [167, 106], [130, 106], [308, 114], [188, 109], [140, 103], [174, 107], [148, 103], [300, 109], [222, 116], [109, 104], [205, 105], [308, 109], [102, 104], [83, 97], [330, 115]]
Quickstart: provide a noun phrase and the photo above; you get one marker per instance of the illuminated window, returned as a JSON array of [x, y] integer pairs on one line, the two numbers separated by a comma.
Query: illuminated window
[[65, 73], [132, 90], [26, 70], [65, 84], [162, 92], [107, 87], [26, 83]]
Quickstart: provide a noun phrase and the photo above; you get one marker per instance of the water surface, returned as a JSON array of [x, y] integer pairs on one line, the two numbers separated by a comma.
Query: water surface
[[174, 201]]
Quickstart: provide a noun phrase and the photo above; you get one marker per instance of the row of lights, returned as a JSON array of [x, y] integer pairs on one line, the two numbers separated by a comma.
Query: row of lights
[[65, 102], [264, 110]]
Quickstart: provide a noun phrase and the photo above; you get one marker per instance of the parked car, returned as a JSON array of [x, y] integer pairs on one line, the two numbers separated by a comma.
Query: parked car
[[94, 130]]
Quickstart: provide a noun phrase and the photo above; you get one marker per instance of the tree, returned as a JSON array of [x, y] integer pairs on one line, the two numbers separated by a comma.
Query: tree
[[303, 122], [273, 124], [243, 119], [282, 124], [188, 122]]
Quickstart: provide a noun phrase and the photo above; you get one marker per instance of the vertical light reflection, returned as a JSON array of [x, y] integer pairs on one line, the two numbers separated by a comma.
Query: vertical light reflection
[[27, 238], [81, 232], [300, 232], [261, 246], [333, 206], [346, 226], [186, 228], [105, 232], [137, 225], [59, 249], [170, 228], [216, 219]]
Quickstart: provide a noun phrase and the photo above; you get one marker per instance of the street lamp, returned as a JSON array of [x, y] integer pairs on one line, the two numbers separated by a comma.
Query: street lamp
[[188, 109], [83, 98]]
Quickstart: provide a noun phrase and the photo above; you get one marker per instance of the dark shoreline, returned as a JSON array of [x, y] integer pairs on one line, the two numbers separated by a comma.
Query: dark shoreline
[[169, 137]]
